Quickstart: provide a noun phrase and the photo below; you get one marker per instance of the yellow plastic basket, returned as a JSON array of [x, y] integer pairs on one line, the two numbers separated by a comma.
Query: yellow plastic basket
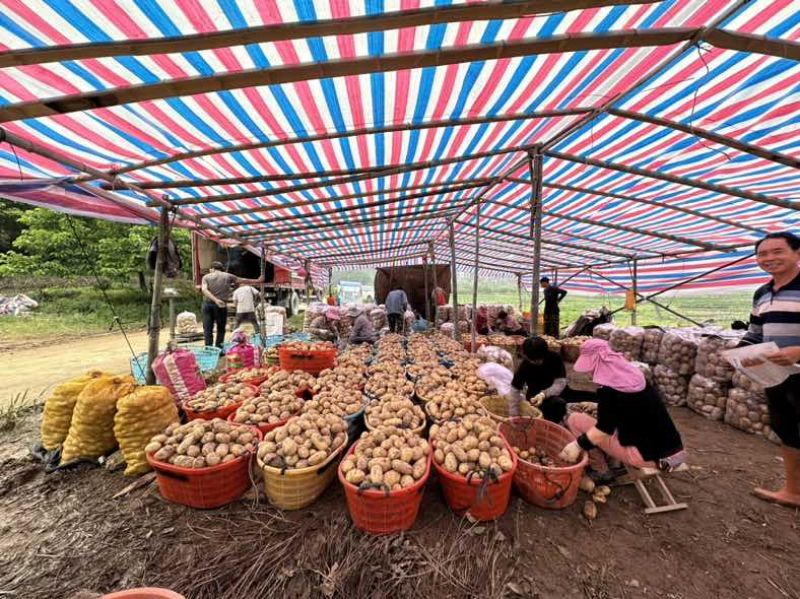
[[498, 408], [296, 489]]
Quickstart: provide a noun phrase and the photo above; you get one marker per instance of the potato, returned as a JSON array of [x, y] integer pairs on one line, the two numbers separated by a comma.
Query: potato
[[192, 445], [319, 436], [587, 485], [589, 510]]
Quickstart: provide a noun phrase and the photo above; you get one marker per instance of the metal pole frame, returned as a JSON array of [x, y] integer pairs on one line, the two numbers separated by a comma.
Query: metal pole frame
[[475, 278], [432, 252], [635, 288], [535, 168], [154, 326], [454, 276], [427, 293]]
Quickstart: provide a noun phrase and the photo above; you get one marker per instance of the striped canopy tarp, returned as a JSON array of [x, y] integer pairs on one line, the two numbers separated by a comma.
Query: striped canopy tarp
[[354, 133]]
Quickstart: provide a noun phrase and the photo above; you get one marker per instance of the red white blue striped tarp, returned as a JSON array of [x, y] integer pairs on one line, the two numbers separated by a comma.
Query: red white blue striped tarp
[[355, 133]]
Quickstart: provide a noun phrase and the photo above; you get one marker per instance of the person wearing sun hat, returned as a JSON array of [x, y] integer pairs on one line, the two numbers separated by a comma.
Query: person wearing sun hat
[[633, 424], [363, 331]]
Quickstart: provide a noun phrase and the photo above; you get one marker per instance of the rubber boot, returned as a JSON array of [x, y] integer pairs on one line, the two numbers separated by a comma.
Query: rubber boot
[[789, 494]]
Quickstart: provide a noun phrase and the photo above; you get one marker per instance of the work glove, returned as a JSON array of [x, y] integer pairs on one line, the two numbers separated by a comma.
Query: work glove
[[571, 452], [537, 399]]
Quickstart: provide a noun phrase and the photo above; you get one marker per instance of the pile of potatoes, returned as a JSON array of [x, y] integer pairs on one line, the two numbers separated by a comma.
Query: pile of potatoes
[[427, 368], [707, 397], [387, 367], [219, 396], [471, 447], [671, 385], [710, 362], [274, 407], [357, 354], [202, 443], [745, 383], [599, 494], [448, 403], [347, 376], [553, 344], [308, 346], [379, 386], [338, 401], [628, 341], [427, 384], [583, 407], [394, 412], [248, 374], [389, 458], [678, 352], [283, 380], [651, 343], [305, 441], [537, 455], [465, 365]]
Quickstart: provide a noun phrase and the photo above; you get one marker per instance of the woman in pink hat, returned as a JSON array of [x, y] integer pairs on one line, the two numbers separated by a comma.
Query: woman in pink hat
[[632, 426]]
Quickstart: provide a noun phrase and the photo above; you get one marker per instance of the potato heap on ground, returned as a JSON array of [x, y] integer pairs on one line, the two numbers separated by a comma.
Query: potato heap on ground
[[388, 458], [537, 455], [394, 412], [306, 346], [710, 362], [219, 396], [305, 441], [599, 494], [283, 380], [246, 375], [346, 375], [470, 447], [269, 408], [202, 443], [338, 401], [678, 352], [651, 343], [707, 397], [571, 348], [628, 341], [453, 401], [671, 385], [380, 385]]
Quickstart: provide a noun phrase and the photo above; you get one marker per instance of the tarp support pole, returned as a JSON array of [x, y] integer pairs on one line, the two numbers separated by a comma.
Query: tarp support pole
[[475, 278], [635, 289], [435, 277], [427, 291], [519, 290], [154, 328], [263, 301], [454, 275], [535, 168]]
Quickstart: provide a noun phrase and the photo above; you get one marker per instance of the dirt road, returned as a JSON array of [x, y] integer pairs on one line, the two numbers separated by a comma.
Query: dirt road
[[38, 369]]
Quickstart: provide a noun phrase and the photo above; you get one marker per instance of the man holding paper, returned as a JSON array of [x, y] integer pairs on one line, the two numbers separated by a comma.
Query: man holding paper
[[776, 318]]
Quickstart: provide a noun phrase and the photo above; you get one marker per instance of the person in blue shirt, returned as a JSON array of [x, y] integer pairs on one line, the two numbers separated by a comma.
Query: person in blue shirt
[[396, 306]]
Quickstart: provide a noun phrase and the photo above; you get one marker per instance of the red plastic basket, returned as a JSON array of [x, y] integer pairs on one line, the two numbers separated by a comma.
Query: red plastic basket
[[144, 593], [313, 362], [220, 413], [547, 487], [204, 488], [384, 512], [482, 499], [264, 428]]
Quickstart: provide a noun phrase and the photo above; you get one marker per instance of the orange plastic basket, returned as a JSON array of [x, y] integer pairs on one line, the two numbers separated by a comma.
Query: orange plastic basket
[[255, 381], [384, 512], [548, 487], [314, 361], [144, 593], [219, 413], [264, 427], [480, 499], [204, 488]]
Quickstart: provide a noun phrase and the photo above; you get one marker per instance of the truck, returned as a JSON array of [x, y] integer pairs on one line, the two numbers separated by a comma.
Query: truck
[[350, 292], [282, 286]]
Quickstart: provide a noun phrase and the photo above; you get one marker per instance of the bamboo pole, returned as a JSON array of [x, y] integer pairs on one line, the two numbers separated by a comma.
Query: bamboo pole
[[427, 294], [535, 168], [432, 253], [475, 278], [154, 328], [635, 288], [454, 275], [263, 327], [519, 290]]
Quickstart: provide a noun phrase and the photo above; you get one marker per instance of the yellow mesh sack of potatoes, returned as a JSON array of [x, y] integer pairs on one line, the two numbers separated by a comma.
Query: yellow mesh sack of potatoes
[[58, 409], [141, 415], [91, 432]]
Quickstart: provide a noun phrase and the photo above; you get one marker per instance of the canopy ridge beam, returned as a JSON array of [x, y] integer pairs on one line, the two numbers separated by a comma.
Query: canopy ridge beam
[[333, 236], [339, 198], [757, 44], [375, 173], [723, 140], [354, 208], [679, 180], [345, 254], [297, 31], [434, 124], [638, 200], [341, 68]]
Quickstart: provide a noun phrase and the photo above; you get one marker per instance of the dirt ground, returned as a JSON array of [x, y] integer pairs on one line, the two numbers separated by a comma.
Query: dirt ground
[[62, 532], [37, 368]]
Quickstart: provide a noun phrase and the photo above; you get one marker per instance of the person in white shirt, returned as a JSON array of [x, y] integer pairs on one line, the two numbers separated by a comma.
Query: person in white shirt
[[245, 299]]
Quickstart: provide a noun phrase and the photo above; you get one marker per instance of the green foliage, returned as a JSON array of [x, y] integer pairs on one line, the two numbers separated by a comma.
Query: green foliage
[[10, 226], [47, 246]]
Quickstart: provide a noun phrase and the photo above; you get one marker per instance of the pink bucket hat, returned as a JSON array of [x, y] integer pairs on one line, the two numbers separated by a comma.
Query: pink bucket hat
[[609, 368]]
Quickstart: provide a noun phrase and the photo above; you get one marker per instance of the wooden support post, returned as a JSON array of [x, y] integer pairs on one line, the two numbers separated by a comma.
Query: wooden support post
[[154, 328], [474, 338], [535, 168], [519, 290], [432, 253], [427, 292], [635, 289], [262, 328], [454, 276]]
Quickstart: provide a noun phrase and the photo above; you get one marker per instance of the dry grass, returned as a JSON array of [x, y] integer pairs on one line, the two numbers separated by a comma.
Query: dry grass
[[17, 408]]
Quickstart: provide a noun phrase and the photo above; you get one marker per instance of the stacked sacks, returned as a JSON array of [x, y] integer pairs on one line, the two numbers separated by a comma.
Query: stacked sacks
[[707, 397], [91, 432], [671, 386], [746, 408], [140, 416], [710, 362], [59, 407], [678, 352], [651, 343], [628, 342]]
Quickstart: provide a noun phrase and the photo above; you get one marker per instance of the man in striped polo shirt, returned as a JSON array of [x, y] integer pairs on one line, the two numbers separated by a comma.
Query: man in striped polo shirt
[[776, 317]]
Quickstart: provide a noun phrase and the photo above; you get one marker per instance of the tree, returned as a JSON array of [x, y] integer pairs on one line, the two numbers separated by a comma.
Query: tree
[[55, 244], [10, 227]]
